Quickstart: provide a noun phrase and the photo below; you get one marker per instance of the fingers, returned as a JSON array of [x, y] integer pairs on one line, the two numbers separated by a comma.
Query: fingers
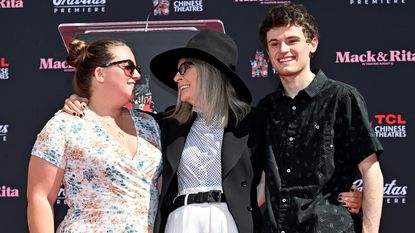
[[354, 188], [351, 200], [75, 105], [352, 210]]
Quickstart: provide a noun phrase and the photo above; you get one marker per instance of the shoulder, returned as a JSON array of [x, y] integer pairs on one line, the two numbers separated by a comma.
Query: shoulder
[[62, 120], [257, 115], [143, 116], [255, 120], [267, 100], [341, 88]]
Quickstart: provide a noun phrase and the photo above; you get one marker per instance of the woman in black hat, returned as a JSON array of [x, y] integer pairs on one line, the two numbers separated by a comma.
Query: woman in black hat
[[213, 141]]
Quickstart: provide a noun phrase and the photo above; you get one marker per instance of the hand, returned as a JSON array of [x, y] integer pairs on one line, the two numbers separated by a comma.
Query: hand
[[74, 105], [352, 200]]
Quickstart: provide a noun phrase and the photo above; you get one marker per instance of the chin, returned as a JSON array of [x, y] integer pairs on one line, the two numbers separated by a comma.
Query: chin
[[287, 72]]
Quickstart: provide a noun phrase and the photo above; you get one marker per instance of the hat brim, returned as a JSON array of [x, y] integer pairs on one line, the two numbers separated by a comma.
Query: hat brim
[[164, 68]]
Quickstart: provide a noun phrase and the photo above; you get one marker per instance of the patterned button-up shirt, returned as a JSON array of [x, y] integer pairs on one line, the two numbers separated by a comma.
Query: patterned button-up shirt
[[317, 140]]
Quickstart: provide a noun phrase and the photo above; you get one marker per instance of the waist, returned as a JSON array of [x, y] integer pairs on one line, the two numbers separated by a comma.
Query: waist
[[214, 196]]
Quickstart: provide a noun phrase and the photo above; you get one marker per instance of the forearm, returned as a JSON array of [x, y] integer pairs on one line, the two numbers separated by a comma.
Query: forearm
[[261, 191], [372, 198], [40, 215]]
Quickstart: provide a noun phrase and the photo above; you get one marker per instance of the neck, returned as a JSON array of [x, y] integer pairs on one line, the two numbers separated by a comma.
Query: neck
[[104, 109], [295, 83]]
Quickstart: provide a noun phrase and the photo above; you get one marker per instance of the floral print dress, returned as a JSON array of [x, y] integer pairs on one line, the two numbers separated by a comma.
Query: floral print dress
[[106, 189]]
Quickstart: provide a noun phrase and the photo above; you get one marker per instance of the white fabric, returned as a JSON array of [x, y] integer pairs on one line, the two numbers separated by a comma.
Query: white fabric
[[201, 218], [200, 168]]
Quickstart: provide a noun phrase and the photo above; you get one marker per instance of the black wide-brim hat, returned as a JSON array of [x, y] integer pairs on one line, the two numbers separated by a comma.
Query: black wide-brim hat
[[210, 46]]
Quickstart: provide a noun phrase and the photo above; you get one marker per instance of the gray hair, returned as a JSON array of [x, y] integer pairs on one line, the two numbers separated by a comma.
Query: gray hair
[[217, 96]]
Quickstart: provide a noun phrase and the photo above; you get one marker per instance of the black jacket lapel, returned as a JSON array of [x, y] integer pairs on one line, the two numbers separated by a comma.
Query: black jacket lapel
[[176, 139], [234, 143]]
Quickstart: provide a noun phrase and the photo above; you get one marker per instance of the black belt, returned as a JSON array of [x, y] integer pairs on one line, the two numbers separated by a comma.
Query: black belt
[[202, 197]]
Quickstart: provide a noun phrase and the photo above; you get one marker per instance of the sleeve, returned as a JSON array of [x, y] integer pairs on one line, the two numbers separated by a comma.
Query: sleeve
[[157, 134], [362, 138], [149, 124], [51, 141]]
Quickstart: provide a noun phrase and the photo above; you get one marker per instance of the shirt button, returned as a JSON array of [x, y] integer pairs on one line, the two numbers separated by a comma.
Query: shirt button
[[243, 184], [288, 170], [291, 139], [249, 208], [284, 200], [293, 107], [282, 231]]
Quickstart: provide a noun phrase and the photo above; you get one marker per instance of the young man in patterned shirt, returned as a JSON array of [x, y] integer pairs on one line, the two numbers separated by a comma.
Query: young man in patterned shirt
[[319, 135]]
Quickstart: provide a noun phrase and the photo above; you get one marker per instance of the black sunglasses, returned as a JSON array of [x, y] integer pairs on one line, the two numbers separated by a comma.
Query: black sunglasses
[[184, 66], [130, 67]]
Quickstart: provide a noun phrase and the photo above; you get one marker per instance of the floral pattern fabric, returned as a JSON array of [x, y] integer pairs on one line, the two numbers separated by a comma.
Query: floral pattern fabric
[[106, 189]]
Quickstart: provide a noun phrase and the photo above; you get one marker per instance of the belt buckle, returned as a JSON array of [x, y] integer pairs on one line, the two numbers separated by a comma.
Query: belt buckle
[[212, 198]]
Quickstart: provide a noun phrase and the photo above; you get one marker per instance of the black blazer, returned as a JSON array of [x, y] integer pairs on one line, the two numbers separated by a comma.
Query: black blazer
[[243, 149]]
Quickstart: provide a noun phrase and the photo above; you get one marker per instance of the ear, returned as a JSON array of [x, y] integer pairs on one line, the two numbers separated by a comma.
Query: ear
[[99, 74], [314, 44]]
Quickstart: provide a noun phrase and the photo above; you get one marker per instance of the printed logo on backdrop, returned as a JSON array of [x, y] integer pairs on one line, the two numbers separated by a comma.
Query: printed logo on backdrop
[[263, 1], [3, 132], [11, 4], [259, 65], [376, 2], [389, 126], [178, 6], [393, 192], [78, 6], [370, 58], [143, 98], [4, 68], [6, 191], [53, 64], [163, 7]]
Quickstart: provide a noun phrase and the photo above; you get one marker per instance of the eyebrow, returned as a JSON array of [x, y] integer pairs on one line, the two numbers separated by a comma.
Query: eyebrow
[[288, 38]]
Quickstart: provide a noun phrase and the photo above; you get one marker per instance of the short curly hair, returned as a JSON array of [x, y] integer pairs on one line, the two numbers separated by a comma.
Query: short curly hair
[[287, 15]]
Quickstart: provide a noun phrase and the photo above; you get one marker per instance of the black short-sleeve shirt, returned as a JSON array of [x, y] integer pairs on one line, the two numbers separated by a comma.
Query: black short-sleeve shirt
[[316, 142]]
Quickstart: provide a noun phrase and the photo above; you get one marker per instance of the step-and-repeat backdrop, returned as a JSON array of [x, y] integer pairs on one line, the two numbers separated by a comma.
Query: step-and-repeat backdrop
[[366, 43]]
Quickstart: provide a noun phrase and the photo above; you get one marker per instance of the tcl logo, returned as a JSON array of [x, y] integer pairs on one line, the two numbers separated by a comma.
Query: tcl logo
[[390, 119]]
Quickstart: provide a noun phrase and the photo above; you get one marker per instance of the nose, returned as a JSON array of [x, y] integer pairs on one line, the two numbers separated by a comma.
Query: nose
[[136, 76], [177, 78], [284, 47]]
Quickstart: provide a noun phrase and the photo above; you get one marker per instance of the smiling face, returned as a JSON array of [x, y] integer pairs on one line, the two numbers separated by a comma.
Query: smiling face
[[187, 81], [289, 50], [118, 77]]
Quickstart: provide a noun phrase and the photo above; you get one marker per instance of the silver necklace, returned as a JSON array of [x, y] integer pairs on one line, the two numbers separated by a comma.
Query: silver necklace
[[120, 133]]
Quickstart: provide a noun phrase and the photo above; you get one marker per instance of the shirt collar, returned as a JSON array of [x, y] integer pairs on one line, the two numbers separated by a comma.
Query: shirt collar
[[312, 89], [316, 85]]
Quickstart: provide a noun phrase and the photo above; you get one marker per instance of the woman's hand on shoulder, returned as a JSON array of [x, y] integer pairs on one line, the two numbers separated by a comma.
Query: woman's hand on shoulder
[[74, 105], [351, 200]]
